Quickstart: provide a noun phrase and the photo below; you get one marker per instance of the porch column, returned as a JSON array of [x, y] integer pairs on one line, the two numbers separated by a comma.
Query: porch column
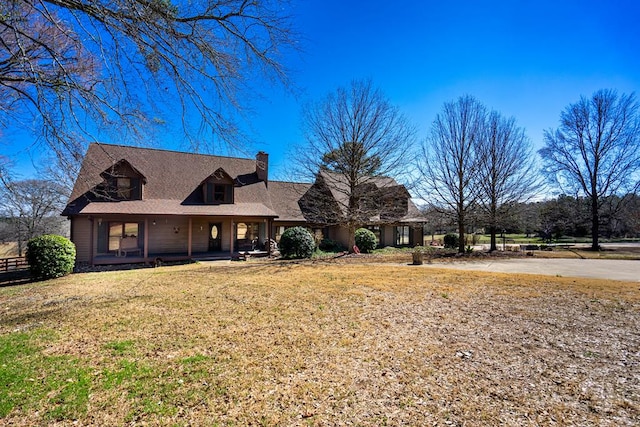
[[146, 239], [231, 238], [269, 221], [189, 238]]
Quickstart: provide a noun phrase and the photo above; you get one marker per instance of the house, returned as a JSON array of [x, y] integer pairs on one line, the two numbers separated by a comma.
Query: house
[[386, 209], [132, 204]]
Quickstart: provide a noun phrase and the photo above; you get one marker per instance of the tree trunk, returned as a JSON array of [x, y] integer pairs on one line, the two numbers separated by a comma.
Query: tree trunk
[[352, 238], [494, 245], [493, 220], [595, 225], [461, 234]]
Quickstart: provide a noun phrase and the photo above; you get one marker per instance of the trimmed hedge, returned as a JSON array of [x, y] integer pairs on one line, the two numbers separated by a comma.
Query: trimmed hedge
[[50, 256], [297, 242], [365, 240]]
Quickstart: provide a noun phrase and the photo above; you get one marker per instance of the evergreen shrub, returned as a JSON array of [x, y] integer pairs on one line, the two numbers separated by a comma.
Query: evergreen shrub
[[329, 245], [297, 242], [366, 240], [50, 256], [451, 240]]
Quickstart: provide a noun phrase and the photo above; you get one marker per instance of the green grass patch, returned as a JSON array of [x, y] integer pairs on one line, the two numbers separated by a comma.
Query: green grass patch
[[121, 348], [29, 378]]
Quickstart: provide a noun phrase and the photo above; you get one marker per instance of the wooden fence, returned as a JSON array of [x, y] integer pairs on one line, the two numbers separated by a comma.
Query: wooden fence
[[17, 263]]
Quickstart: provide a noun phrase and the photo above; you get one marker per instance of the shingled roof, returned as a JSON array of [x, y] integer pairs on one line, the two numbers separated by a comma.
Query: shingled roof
[[171, 177], [285, 197], [338, 187]]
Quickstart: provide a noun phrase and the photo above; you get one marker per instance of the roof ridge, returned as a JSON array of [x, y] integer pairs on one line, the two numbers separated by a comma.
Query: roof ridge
[[271, 181], [166, 150]]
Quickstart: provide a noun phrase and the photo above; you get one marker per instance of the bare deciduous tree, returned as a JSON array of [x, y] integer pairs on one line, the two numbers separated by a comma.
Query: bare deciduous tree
[[72, 70], [32, 207], [596, 150], [506, 171], [356, 142], [450, 168]]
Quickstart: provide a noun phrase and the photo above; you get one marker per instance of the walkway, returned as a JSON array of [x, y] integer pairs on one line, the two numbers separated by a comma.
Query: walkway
[[626, 270]]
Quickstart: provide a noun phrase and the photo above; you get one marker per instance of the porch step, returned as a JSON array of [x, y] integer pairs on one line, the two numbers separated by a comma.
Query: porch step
[[245, 255], [213, 258]]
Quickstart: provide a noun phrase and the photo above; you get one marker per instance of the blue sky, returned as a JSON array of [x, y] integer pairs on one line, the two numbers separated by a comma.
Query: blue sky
[[527, 59]]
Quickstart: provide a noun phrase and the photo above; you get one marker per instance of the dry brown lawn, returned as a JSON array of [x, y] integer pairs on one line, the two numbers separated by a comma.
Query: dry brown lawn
[[327, 343]]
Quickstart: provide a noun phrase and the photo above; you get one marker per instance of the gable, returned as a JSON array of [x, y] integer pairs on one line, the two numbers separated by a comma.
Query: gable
[[376, 199], [121, 181], [218, 188]]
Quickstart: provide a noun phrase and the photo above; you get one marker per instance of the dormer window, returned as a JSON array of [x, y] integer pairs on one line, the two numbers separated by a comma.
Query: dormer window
[[123, 188], [219, 193], [123, 182], [218, 188]]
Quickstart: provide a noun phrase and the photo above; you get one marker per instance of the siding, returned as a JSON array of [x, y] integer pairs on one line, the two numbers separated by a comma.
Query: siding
[[81, 237], [168, 235], [200, 234]]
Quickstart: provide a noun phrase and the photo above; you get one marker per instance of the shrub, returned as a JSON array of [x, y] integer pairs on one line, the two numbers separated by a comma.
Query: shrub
[[50, 256], [297, 242], [365, 240], [451, 240], [328, 245]]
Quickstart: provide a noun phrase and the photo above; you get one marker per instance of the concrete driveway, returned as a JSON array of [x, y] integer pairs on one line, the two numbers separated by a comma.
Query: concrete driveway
[[625, 270]]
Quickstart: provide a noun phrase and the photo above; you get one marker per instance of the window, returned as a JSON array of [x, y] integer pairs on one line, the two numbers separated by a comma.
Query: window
[[279, 230], [247, 235], [122, 182], [121, 229], [218, 193], [248, 231], [123, 186], [403, 235], [317, 234]]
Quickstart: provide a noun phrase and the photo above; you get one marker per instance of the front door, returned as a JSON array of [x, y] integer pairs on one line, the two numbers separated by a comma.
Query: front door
[[215, 237]]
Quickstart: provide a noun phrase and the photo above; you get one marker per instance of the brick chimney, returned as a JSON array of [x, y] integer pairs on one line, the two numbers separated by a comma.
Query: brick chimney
[[262, 166]]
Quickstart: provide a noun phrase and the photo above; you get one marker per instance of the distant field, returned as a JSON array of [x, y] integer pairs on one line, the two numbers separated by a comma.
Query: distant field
[[9, 249], [319, 343]]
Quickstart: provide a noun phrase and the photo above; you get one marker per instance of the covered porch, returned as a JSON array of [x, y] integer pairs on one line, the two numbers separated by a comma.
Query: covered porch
[[118, 239]]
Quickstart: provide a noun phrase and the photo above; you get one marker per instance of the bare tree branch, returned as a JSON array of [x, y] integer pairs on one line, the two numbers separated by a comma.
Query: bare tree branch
[[507, 173], [75, 70], [356, 141], [32, 206], [596, 150], [449, 168]]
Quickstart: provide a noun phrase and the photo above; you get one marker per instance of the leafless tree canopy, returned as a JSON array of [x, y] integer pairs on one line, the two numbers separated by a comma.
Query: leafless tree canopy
[[507, 171], [74, 69], [32, 208], [450, 164], [475, 159], [355, 141], [596, 150]]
